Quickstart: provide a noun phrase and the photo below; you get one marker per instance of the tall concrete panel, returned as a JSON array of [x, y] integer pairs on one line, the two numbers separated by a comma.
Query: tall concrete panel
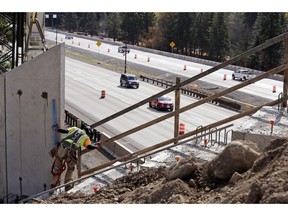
[[2, 139], [30, 89]]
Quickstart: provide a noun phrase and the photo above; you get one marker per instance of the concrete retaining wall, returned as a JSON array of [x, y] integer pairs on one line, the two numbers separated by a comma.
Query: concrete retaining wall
[[2, 139], [115, 149], [261, 140], [29, 91]]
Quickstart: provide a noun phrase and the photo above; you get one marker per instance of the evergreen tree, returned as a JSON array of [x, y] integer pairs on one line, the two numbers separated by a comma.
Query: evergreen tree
[[183, 26], [201, 33], [70, 22], [131, 27], [267, 25], [219, 37], [113, 25], [165, 31], [91, 24]]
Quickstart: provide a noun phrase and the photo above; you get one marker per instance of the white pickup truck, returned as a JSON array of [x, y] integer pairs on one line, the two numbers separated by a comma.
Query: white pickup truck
[[243, 74]]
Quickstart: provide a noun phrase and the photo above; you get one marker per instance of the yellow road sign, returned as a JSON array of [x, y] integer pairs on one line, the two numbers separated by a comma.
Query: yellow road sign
[[172, 44], [98, 43]]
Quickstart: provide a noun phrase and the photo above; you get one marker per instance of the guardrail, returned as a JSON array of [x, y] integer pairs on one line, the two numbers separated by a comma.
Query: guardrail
[[224, 102]]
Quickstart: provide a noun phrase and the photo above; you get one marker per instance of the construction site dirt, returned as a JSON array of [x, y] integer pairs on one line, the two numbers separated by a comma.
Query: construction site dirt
[[266, 182]]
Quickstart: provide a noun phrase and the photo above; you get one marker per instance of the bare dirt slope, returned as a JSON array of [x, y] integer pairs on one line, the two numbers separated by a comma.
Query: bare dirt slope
[[265, 182]]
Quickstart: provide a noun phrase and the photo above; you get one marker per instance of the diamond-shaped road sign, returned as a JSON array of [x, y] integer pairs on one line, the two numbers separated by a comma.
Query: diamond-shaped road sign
[[98, 43]]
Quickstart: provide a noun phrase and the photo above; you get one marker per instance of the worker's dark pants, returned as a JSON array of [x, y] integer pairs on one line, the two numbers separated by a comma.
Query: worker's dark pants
[[64, 155]]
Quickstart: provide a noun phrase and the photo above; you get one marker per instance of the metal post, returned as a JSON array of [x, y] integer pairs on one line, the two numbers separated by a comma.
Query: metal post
[[177, 106], [79, 163], [125, 64], [54, 16], [285, 77], [56, 35], [52, 22]]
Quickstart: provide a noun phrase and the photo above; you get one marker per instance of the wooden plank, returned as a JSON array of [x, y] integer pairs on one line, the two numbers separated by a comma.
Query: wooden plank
[[176, 139], [177, 107], [197, 103]]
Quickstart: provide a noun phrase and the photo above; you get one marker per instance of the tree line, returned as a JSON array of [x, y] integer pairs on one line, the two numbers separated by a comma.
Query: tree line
[[213, 36]]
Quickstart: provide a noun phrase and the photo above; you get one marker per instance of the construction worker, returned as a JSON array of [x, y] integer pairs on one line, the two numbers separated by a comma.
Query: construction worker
[[65, 153]]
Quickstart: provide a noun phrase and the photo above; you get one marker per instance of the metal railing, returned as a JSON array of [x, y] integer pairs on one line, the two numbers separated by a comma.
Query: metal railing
[[133, 159]]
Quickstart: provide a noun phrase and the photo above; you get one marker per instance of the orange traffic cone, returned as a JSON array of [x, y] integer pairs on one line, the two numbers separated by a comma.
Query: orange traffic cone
[[182, 129], [274, 89], [102, 94]]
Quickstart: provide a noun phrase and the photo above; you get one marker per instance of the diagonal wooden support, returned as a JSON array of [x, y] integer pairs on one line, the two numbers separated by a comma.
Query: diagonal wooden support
[[197, 103], [198, 76], [176, 139]]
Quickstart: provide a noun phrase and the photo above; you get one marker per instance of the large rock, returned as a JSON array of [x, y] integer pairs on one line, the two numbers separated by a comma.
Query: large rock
[[238, 156], [182, 169]]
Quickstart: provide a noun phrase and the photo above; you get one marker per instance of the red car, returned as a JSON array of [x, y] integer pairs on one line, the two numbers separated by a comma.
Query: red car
[[162, 103]]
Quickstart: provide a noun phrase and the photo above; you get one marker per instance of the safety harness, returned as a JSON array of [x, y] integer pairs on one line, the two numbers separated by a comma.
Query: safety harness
[[58, 174], [72, 139]]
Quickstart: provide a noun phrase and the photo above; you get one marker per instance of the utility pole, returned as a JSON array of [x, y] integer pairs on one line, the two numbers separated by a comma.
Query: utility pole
[[125, 62]]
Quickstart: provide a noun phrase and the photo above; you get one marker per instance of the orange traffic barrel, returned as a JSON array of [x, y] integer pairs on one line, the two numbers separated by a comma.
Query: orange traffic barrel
[[224, 78], [102, 94], [177, 158], [182, 129], [274, 89]]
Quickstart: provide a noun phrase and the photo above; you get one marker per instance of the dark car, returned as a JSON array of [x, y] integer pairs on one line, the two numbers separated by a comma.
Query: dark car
[[123, 49], [68, 37], [162, 103], [129, 80]]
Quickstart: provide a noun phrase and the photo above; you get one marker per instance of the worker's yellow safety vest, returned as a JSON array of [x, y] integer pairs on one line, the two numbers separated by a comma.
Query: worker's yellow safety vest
[[75, 137]]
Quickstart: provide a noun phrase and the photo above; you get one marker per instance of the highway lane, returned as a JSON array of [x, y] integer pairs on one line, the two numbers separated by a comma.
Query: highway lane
[[261, 88], [83, 86]]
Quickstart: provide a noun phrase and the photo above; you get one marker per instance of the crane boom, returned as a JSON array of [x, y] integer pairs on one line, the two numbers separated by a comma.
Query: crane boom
[[35, 43]]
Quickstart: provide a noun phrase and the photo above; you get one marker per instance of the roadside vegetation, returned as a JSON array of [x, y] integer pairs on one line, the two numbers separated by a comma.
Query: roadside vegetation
[[214, 36]]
